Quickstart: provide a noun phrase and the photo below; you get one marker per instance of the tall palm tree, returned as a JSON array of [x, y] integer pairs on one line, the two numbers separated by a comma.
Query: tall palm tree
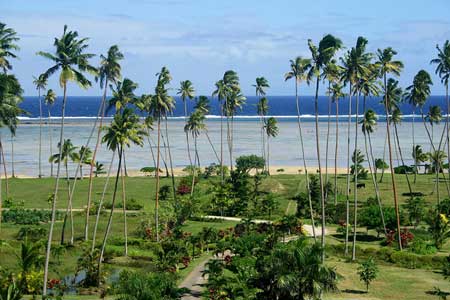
[[50, 99], [271, 129], [186, 91], [221, 92], [262, 107], [442, 63], [109, 72], [161, 105], [434, 116], [84, 157], [419, 156], [202, 105], [387, 65], [8, 39], [298, 71], [71, 59], [41, 85], [68, 153], [321, 56], [10, 97], [335, 90], [124, 130], [195, 125]]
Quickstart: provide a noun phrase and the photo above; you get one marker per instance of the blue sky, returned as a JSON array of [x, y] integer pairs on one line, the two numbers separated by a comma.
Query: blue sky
[[200, 39]]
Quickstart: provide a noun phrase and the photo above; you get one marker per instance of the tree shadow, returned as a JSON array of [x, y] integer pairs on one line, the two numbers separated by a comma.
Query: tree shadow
[[358, 292]]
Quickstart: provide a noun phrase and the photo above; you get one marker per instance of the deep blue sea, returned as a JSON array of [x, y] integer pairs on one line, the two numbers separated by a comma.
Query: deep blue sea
[[280, 106]]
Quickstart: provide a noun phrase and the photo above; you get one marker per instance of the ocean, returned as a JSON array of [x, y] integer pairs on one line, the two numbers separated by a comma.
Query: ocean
[[284, 149]]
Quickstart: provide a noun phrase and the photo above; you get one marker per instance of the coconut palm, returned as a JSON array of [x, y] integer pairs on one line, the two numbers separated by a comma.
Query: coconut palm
[[442, 63], [8, 39], [70, 58], [387, 64], [84, 157], [298, 71], [41, 85], [68, 153], [124, 130], [356, 67], [186, 91], [262, 107], [271, 129], [221, 92], [195, 125], [202, 105], [50, 99], [10, 97], [109, 72], [419, 156], [161, 105]]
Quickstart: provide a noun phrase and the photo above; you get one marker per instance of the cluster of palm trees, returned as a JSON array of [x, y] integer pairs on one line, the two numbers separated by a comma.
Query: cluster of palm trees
[[362, 73]]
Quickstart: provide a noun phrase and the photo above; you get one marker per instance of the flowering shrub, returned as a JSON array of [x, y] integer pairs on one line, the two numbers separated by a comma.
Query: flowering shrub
[[183, 189], [405, 235]]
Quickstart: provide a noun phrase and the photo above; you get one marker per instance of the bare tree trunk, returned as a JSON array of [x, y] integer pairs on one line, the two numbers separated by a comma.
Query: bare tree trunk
[[108, 226], [157, 180], [402, 160], [328, 141], [13, 173], [4, 170], [221, 143], [40, 133], [55, 197], [49, 124], [124, 210], [171, 165], [212, 145], [355, 186], [347, 192], [194, 169], [100, 204], [187, 135], [414, 144]]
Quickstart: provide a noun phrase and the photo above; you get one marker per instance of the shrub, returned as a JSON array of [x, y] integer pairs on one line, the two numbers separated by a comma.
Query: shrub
[[405, 235], [439, 229], [419, 246], [131, 204], [404, 169], [33, 233], [29, 216], [368, 271]]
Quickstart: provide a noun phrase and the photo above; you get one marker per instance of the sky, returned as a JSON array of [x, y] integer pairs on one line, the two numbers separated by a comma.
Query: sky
[[200, 39]]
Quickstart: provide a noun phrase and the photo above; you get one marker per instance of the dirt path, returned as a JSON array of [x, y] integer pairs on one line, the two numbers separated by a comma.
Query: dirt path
[[194, 282]]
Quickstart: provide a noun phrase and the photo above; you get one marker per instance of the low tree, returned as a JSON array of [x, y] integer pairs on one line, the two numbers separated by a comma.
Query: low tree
[[416, 210], [368, 272]]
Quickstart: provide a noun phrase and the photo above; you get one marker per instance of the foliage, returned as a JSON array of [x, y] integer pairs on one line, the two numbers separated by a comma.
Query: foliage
[[149, 170], [131, 204], [419, 246], [405, 235], [146, 286], [214, 169], [28, 216], [358, 159], [416, 209], [403, 169], [368, 271], [438, 228], [32, 233], [371, 218], [88, 264], [246, 163]]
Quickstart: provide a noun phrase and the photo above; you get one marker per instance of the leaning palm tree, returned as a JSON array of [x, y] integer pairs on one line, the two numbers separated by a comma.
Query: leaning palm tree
[[109, 72], [195, 125], [271, 129], [50, 99], [71, 59], [262, 107], [299, 69], [186, 91], [202, 105], [442, 63], [321, 56], [8, 39], [124, 130], [387, 65], [356, 67], [161, 105], [10, 97], [40, 84]]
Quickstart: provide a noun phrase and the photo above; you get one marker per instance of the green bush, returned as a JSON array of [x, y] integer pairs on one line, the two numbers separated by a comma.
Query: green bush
[[28, 216], [421, 247], [32, 233], [131, 204]]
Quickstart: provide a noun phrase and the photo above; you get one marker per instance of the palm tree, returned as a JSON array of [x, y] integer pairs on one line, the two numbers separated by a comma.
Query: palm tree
[[124, 130], [68, 152], [50, 99], [298, 70], [10, 97], [161, 105], [221, 92], [202, 105], [335, 90], [368, 124], [186, 91], [387, 65], [108, 72], [195, 125], [271, 129], [262, 107], [40, 84], [356, 67], [84, 157], [434, 116], [71, 59], [419, 156], [321, 56], [8, 39], [442, 63]]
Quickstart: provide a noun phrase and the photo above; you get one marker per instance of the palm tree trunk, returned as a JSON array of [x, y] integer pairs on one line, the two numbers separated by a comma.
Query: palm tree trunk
[[222, 173], [268, 154], [100, 204], [187, 135], [212, 145], [111, 213], [158, 146], [322, 198], [50, 139], [414, 144], [402, 160], [394, 187], [448, 128], [336, 152], [4, 170], [55, 195], [40, 133], [124, 210], [355, 186], [347, 192], [174, 189], [63, 230], [194, 169], [1, 196], [302, 148], [13, 173], [384, 156], [151, 149], [328, 140]]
